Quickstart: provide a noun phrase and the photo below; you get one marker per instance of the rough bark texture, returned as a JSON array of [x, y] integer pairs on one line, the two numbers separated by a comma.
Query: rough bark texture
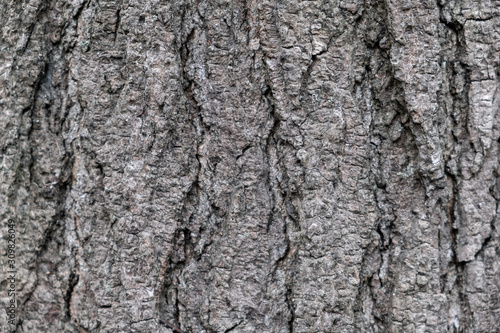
[[251, 166]]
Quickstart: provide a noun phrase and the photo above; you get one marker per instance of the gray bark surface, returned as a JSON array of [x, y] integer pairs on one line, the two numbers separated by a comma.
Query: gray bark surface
[[251, 166]]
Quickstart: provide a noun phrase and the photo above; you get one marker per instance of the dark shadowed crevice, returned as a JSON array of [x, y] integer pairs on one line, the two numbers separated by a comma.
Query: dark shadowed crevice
[[73, 280], [118, 22]]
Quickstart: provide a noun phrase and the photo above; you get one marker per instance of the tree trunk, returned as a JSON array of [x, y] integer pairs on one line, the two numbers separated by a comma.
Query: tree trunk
[[250, 166]]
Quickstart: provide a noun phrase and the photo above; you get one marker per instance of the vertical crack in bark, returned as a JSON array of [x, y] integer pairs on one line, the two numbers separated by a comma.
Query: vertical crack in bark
[[118, 22], [31, 169], [372, 284], [171, 283], [273, 161], [59, 185], [289, 301], [37, 19], [459, 267], [460, 102], [272, 138], [172, 271], [73, 280]]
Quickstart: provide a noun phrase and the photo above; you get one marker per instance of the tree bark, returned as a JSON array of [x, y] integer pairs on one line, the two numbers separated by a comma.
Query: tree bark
[[250, 166]]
